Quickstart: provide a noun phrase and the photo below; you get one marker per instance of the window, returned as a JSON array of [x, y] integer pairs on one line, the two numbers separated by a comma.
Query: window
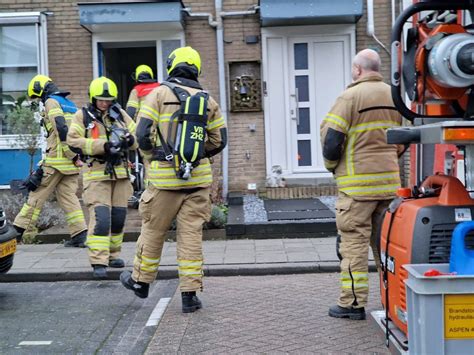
[[22, 56]]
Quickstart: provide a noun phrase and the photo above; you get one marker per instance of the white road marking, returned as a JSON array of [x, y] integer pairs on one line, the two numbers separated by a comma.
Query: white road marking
[[36, 342], [158, 312]]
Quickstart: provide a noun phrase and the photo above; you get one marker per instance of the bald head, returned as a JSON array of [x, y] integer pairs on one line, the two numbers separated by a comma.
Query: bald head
[[366, 62]]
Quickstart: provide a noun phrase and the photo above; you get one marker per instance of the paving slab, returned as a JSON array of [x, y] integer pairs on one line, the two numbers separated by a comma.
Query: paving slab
[[277, 314], [302, 204]]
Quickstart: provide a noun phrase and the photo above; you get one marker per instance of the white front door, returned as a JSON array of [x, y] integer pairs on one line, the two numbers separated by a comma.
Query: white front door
[[303, 76]]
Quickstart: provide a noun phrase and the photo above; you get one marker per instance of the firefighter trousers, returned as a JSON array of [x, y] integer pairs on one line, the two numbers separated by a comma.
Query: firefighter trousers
[[107, 203], [158, 208], [357, 224], [65, 187]]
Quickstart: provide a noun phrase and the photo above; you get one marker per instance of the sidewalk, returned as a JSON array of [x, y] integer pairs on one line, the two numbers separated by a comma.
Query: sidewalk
[[54, 262]]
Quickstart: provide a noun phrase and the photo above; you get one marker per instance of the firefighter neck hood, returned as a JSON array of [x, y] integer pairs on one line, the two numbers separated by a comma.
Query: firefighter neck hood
[[185, 74], [51, 89]]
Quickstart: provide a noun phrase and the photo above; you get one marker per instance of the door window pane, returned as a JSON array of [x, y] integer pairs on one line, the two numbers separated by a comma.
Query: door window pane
[[167, 46], [304, 126], [301, 55], [304, 153], [302, 84]]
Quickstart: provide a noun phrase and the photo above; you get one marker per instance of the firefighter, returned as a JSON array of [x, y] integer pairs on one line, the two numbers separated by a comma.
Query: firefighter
[[366, 170], [105, 133], [146, 82], [168, 196], [59, 170]]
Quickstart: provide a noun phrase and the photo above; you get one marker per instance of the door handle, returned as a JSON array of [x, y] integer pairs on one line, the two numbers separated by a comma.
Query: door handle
[[297, 109]]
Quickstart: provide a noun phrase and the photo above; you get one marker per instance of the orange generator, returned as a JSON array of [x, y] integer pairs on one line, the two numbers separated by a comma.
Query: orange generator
[[433, 62]]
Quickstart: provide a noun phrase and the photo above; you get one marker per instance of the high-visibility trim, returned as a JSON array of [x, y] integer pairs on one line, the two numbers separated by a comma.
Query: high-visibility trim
[[370, 190], [356, 275], [190, 268], [337, 120], [219, 122], [190, 274], [49, 126], [132, 103], [183, 136], [74, 217], [180, 182], [369, 126], [350, 155], [367, 178], [151, 112], [132, 126], [98, 242], [353, 134], [79, 129], [26, 209], [195, 151], [355, 285], [116, 240], [165, 117], [55, 112], [88, 146], [99, 175], [165, 176], [147, 264], [189, 263], [68, 116]]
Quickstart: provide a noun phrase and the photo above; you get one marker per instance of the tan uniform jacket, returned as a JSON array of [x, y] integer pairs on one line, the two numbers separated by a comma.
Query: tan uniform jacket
[[157, 109], [58, 154], [92, 145], [133, 104], [353, 137]]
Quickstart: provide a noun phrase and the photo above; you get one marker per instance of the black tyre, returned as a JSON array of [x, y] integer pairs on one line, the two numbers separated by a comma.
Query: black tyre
[[6, 263]]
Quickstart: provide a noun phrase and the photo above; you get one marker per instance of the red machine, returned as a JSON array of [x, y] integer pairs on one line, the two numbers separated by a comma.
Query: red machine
[[434, 64]]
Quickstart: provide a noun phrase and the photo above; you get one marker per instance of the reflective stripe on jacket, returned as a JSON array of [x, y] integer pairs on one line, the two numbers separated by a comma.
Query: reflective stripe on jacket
[[157, 110], [58, 154], [366, 167], [92, 145]]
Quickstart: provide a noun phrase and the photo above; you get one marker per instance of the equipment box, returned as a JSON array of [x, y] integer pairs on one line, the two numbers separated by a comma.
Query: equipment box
[[440, 311]]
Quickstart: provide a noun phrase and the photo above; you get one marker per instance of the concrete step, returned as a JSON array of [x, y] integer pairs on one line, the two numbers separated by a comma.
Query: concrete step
[[237, 228]]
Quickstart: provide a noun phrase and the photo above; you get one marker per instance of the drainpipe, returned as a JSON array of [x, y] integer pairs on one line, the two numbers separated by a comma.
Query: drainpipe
[[219, 26], [371, 26], [222, 94]]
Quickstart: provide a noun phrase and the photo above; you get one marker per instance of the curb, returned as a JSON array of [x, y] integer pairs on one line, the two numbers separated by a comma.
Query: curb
[[170, 272], [57, 237]]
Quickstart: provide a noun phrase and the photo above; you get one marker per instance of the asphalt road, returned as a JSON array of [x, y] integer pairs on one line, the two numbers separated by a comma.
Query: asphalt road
[[77, 317]]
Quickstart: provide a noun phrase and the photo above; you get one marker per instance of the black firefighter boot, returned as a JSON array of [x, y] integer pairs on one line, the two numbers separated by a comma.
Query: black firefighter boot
[[190, 301], [343, 312], [140, 288], [100, 272], [78, 241]]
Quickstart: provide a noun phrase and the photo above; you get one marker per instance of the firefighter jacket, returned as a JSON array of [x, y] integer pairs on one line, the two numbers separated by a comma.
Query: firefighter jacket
[[90, 135], [58, 154], [156, 111], [354, 144], [137, 96]]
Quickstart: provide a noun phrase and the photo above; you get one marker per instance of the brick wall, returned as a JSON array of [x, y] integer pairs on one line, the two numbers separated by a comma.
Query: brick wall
[[382, 23]]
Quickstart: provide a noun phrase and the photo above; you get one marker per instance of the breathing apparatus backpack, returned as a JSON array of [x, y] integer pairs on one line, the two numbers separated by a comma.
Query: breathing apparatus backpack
[[66, 105], [186, 149]]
